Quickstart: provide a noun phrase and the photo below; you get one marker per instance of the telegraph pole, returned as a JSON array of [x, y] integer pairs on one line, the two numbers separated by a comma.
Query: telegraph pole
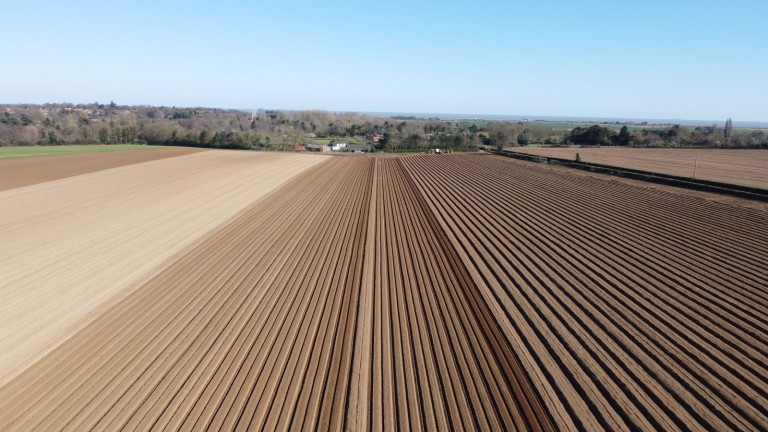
[[695, 165]]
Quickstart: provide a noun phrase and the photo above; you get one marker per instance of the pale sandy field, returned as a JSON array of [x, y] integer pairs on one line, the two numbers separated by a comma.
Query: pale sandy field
[[71, 245]]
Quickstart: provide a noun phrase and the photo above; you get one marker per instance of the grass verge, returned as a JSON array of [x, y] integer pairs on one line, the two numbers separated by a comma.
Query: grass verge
[[14, 152]]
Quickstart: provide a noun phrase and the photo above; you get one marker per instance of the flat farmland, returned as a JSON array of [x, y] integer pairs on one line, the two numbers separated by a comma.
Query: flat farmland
[[23, 171], [51, 150], [427, 292], [741, 167], [70, 245], [631, 308]]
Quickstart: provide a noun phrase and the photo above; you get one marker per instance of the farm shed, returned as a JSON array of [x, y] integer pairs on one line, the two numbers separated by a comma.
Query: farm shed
[[359, 148]]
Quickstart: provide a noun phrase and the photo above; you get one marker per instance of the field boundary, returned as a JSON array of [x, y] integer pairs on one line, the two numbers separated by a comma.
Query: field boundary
[[648, 176], [15, 152]]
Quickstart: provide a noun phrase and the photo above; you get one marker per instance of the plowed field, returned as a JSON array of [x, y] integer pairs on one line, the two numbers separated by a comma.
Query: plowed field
[[32, 170], [69, 246], [741, 167], [629, 307], [426, 292]]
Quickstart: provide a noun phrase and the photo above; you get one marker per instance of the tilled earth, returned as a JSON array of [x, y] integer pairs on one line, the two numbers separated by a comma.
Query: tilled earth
[[744, 167], [425, 292]]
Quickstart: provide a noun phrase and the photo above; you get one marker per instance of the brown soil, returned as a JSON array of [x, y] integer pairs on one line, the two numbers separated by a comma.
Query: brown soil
[[709, 196], [18, 172], [72, 245], [631, 308], [431, 292], [742, 167]]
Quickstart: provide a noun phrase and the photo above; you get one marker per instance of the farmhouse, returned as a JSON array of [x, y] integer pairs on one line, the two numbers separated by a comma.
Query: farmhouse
[[338, 146]]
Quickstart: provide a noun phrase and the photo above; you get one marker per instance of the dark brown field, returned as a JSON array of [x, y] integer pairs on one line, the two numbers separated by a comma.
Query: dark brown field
[[25, 171]]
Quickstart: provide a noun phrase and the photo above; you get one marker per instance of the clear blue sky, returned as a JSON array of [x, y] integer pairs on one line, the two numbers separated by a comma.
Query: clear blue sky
[[683, 59]]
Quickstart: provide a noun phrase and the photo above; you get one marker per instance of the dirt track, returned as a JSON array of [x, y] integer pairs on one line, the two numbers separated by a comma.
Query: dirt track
[[742, 167], [431, 292], [26, 171]]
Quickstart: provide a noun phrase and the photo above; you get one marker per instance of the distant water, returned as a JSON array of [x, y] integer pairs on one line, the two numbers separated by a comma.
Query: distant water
[[682, 122], [563, 119]]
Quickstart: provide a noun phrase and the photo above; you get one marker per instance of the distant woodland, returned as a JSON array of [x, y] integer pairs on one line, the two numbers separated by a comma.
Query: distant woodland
[[58, 124]]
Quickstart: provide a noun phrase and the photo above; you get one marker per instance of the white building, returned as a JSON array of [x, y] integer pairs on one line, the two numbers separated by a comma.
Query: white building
[[338, 146]]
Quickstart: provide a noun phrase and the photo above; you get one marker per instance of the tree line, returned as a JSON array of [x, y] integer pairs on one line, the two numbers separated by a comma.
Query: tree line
[[54, 124], [671, 136]]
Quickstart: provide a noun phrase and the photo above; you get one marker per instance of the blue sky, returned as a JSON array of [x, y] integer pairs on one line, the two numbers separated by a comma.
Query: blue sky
[[652, 59]]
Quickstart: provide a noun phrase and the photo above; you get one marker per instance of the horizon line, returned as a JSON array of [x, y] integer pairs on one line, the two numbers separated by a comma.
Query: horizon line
[[429, 115]]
